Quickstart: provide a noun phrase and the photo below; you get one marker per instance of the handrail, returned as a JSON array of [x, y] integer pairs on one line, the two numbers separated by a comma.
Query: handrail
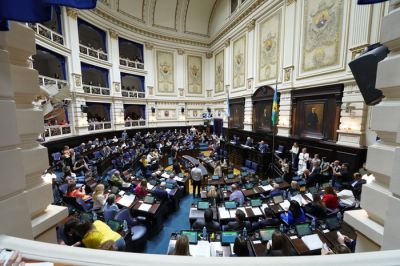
[[96, 90], [135, 123], [133, 94], [56, 130], [129, 63], [93, 126], [47, 33], [44, 81], [61, 254], [93, 52]]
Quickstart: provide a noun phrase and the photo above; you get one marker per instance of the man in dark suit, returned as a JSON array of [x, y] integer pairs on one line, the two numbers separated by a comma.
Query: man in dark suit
[[249, 142], [313, 177], [357, 185], [211, 226], [161, 193], [239, 224], [262, 147]]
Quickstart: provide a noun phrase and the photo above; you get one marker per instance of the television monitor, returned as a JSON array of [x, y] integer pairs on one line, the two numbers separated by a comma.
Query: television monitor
[[332, 223], [303, 229], [215, 177], [277, 199], [192, 236], [149, 199], [228, 237], [230, 204], [255, 202], [231, 176], [266, 234], [203, 205]]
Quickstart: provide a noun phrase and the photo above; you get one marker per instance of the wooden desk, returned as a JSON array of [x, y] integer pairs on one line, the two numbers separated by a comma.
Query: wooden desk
[[218, 182], [153, 215], [194, 161], [301, 248]]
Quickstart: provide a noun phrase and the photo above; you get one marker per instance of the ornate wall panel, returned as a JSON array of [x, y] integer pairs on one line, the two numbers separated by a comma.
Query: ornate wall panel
[[322, 34], [195, 74], [165, 72], [269, 47], [219, 72], [239, 62]]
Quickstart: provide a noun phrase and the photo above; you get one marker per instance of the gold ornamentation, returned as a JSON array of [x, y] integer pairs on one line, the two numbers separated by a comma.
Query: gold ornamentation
[[209, 55], [357, 51], [239, 62], [289, 2], [227, 42], [117, 86], [180, 51], [287, 73], [165, 73], [250, 26], [72, 12], [113, 34], [195, 74], [148, 45], [77, 80]]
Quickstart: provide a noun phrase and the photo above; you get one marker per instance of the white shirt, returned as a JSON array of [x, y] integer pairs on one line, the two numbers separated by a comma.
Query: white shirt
[[196, 174], [346, 197], [294, 150]]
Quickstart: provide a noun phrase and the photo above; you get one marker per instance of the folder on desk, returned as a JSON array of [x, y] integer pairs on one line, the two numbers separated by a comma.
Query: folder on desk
[[223, 213], [313, 241], [285, 205], [126, 200], [256, 211], [145, 207], [267, 187], [263, 206]]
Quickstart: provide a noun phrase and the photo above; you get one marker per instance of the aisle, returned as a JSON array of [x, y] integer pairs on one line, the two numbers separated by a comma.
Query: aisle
[[177, 221]]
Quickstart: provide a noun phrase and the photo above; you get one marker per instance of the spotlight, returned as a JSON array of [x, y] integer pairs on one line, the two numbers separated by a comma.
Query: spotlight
[[364, 70]]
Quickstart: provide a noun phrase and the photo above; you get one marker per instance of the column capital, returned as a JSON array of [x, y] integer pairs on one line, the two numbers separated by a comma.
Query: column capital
[[227, 42], [149, 45], [180, 51], [289, 2], [113, 34], [209, 55], [72, 12], [251, 25]]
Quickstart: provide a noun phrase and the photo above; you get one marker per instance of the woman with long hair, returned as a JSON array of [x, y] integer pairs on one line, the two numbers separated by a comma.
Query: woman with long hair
[[294, 215], [141, 189], [330, 199], [278, 247], [99, 198], [182, 246]]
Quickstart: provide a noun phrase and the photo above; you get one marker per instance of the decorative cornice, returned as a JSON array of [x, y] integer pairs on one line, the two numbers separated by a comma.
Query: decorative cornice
[[113, 34], [251, 25], [149, 46], [72, 12], [180, 51], [356, 51], [209, 55], [227, 42]]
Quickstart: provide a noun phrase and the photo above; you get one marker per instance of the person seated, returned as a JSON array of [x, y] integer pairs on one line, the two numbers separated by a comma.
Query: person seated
[[294, 189], [236, 195], [346, 245], [340, 176], [316, 208], [110, 204], [239, 224], [240, 247], [276, 190], [160, 192], [115, 139], [357, 184], [330, 199], [94, 234], [262, 147], [249, 142], [346, 198], [269, 220], [80, 166], [277, 246], [65, 234], [326, 171], [208, 222], [76, 192], [68, 175], [213, 196], [182, 246], [176, 167], [294, 215], [99, 198], [215, 156], [363, 170], [141, 189], [117, 180], [171, 180]]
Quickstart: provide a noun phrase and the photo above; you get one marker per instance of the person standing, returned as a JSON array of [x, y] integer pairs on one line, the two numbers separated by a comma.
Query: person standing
[[303, 159], [196, 179], [295, 153]]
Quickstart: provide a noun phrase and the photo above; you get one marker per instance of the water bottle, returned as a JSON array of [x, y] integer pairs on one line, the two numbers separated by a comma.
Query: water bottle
[[245, 232], [125, 226], [339, 216], [204, 233], [281, 228], [313, 223], [94, 216]]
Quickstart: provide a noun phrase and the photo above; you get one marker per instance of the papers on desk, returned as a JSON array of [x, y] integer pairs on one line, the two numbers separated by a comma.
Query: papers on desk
[[179, 179], [297, 198], [309, 196], [165, 175], [202, 249], [126, 200], [232, 213], [144, 207], [217, 250], [242, 209], [312, 241], [195, 213], [263, 206], [149, 186], [121, 193], [285, 205], [256, 211], [267, 187], [223, 213]]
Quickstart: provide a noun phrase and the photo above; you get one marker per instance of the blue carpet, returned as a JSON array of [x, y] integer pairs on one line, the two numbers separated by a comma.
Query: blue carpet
[[176, 221]]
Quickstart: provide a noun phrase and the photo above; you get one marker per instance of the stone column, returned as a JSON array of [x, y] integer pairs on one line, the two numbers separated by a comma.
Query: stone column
[[377, 222], [26, 195], [118, 114], [248, 114], [285, 113], [115, 74]]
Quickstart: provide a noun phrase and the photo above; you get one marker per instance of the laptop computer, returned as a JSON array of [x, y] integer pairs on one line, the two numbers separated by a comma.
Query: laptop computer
[[228, 238], [203, 205], [266, 234], [255, 202], [192, 236], [332, 223], [277, 199], [230, 204], [303, 229], [170, 185], [149, 199], [248, 185], [214, 177]]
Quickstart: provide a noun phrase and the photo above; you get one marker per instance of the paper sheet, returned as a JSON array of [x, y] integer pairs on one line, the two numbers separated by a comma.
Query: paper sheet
[[179, 179], [232, 213], [223, 213], [126, 200], [263, 206], [165, 175], [285, 205], [256, 211], [145, 207], [149, 186], [297, 198], [195, 213], [217, 250], [202, 249], [267, 187], [312, 241], [309, 195]]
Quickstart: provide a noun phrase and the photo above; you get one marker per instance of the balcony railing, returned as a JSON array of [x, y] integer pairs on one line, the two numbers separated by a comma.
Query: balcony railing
[[132, 94], [93, 126], [130, 63], [47, 33], [135, 123], [93, 52], [57, 130], [45, 81], [97, 90]]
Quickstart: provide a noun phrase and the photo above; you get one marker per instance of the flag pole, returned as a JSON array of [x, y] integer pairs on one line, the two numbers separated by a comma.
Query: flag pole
[[274, 122]]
